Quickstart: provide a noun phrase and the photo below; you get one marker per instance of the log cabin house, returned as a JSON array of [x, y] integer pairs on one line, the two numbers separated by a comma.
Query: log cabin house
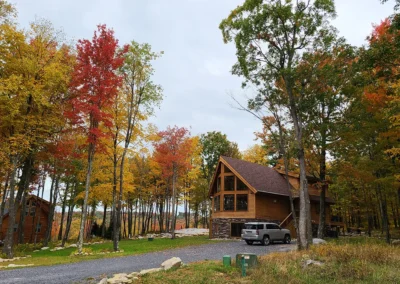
[[36, 216], [246, 192]]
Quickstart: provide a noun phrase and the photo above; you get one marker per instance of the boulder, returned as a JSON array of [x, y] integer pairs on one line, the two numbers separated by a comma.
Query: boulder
[[119, 278], [151, 270], [73, 246], [174, 262], [309, 262], [318, 241], [103, 281], [44, 248], [133, 275], [396, 243], [18, 265]]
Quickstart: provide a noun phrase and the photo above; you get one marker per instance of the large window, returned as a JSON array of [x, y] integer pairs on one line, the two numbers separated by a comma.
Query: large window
[[241, 202], [218, 184], [229, 201], [229, 183], [217, 204], [240, 185]]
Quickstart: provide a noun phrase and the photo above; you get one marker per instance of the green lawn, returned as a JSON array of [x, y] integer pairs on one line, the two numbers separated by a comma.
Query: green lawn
[[129, 247]]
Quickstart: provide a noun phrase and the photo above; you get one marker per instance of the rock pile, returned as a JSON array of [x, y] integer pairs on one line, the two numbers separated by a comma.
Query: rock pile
[[13, 259], [16, 265], [133, 277], [318, 241]]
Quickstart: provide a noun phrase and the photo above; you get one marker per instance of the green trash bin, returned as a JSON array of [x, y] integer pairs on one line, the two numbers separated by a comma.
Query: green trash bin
[[249, 258], [226, 260]]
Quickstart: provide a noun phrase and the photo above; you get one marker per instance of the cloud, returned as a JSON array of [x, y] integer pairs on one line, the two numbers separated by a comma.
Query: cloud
[[216, 67]]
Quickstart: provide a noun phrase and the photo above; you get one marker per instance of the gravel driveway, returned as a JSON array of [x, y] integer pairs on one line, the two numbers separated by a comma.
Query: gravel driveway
[[82, 272]]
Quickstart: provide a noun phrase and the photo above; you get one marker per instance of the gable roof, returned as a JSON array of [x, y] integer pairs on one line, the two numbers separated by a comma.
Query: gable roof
[[29, 197], [261, 178]]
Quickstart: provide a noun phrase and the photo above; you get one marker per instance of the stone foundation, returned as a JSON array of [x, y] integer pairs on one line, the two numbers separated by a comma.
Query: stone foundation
[[221, 227]]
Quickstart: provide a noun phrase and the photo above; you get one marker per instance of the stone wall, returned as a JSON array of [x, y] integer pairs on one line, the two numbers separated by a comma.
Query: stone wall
[[221, 227]]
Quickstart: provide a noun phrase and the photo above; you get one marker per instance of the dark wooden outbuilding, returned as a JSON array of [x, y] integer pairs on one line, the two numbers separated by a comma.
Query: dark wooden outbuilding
[[35, 223]]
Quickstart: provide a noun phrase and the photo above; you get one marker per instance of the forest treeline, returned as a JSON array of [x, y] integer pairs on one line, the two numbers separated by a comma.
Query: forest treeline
[[76, 116]]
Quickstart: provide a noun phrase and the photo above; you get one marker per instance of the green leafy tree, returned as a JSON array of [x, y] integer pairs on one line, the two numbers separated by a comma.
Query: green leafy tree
[[269, 37], [215, 144]]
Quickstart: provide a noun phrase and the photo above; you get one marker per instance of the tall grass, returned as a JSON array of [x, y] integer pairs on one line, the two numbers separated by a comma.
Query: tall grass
[[347, 260], [369, 262]]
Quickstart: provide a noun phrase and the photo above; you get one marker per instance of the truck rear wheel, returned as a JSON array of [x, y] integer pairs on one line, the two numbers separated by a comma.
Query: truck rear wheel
[[266, 241]]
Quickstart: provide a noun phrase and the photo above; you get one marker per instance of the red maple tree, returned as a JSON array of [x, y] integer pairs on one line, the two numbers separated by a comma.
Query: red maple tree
[[172, 153], [94, 86]]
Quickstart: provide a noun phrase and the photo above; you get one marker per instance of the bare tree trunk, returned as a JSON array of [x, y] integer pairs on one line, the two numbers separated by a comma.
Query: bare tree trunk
[[124, 219], [24, 211], [143, 213], [134, 221], [167, 214], [63, 212], [91, 221], [173, 201], [85, 201], [322, 177], [3, 204], [103, 225], [283, 151], [161, 215], [115, 231], [196, 216], [129, 209], [384, 214], [53, 201], [394, 215], [69, 222], [155, 218], [305, 229], [9, 240], [23, 187]]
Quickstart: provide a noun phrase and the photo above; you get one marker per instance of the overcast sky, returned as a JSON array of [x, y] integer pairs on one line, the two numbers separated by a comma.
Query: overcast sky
[[195, 68]]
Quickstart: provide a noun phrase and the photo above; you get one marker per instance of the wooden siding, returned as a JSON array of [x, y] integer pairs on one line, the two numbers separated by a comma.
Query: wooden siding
[[272, 207], [314, 208]]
